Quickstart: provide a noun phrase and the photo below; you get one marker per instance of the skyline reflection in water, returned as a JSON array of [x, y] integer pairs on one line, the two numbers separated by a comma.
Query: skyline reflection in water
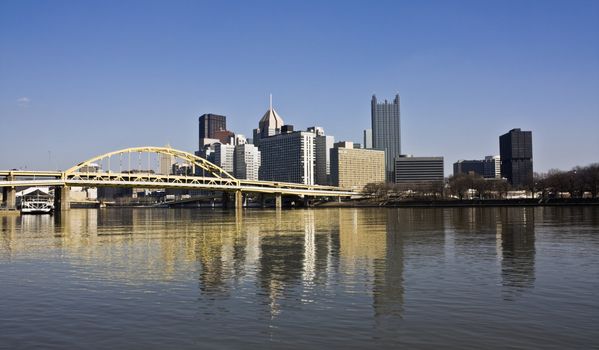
[[303, 277]]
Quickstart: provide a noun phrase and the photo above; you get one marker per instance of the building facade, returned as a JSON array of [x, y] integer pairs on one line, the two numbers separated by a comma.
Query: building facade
[[355, 168], [322, 154], [247, 162], [225, 136], [166, 162], [489, 168], [469, 167], [224, 157], [386, 131], [515, 150], [209, 125], [410, 169], [288, 157], [323, 145], [492, 167], [367, 138]]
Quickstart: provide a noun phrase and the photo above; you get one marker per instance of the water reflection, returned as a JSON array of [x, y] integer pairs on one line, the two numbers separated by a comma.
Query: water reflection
[[517, 250], [287, 254], [388, 287], [357, 277]]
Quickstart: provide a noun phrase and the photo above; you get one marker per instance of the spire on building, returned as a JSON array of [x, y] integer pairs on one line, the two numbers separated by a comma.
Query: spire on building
[[271, 119]]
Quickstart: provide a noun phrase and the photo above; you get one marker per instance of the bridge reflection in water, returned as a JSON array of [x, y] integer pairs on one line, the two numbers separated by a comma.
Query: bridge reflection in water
[[283, 254], [488, 277]]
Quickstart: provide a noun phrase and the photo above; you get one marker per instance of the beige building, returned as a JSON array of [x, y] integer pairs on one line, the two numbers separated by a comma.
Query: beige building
[[355, 167]]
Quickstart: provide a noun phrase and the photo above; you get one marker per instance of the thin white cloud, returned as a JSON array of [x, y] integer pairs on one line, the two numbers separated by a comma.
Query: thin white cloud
[[23, 101]]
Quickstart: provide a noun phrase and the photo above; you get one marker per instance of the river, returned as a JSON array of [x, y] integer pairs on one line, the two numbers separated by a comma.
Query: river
[[452, 278]]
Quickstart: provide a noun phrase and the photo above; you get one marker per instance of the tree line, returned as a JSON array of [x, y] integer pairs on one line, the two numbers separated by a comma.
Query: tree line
[[576, 183]]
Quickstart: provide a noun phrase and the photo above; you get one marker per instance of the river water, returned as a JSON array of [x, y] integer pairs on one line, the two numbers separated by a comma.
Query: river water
[[465, 278]]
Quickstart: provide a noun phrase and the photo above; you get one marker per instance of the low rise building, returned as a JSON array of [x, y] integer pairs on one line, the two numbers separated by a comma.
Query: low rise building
[[469, 167], [355, 168], [490, 167], [410, 169]]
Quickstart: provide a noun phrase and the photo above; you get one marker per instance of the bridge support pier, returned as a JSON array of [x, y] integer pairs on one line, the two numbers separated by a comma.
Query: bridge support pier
[[262, 200], [278, 200], [225, 200], [238, 199], [9, 197], [61, 198]]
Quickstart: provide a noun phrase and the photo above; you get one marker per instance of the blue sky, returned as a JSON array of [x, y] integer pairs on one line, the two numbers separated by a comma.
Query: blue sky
[[80, 78]]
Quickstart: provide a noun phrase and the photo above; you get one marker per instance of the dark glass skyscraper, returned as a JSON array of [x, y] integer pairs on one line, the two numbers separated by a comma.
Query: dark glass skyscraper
[[386, 131], [210, 124], [515, 149]]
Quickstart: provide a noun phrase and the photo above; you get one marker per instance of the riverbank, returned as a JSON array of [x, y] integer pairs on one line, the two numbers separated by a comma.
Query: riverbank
[[449, 203]]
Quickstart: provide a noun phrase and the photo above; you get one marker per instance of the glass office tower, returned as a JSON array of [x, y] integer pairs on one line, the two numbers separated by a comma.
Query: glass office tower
[[386, 135]]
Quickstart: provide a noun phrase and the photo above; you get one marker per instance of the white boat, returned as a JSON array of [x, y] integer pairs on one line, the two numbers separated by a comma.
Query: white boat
[[33, 206], [35, 201]]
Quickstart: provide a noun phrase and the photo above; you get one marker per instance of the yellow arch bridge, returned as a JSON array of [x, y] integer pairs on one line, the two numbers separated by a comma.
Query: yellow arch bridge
[[140, 167]]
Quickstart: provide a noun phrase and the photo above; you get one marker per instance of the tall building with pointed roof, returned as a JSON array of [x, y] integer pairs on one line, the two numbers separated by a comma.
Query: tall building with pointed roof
[[270, 124]]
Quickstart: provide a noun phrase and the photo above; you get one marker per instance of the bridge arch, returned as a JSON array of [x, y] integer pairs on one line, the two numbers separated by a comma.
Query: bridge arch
[[200, 162]]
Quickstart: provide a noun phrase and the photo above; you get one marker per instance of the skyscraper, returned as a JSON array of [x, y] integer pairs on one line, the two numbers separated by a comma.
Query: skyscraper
[[270, 124], [210, 124], [515, 150], [386, 131]]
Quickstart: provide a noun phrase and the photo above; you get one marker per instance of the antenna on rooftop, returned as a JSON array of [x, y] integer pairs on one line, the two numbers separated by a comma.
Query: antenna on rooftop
[[270, 101]]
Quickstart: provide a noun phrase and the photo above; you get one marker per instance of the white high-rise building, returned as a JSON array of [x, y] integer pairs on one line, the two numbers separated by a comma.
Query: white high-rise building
[[224, 156], [288, 157], [322, 153], [368, 138], [247, 162], [166, 162]]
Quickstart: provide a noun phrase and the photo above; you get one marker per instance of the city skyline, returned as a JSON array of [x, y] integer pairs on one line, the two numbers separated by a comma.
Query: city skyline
[[65, 68]]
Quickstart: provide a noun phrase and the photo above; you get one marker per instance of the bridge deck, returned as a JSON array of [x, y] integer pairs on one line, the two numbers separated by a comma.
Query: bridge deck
[[141, 180], [30, 173]]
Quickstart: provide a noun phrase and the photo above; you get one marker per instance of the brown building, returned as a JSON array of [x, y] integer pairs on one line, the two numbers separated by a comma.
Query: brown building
[[224, 136], [353, 168]]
